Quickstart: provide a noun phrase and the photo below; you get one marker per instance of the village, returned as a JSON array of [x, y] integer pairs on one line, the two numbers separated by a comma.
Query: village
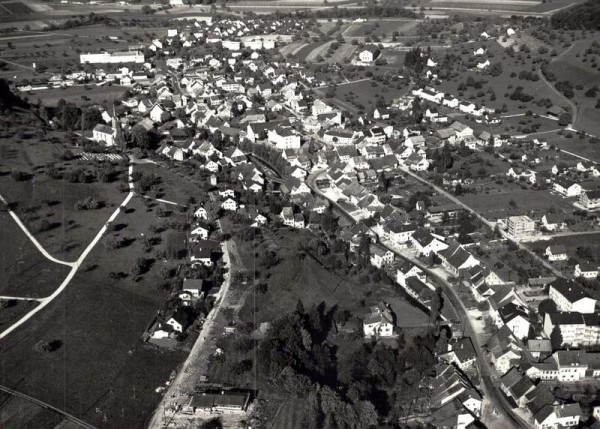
[[453, 209]]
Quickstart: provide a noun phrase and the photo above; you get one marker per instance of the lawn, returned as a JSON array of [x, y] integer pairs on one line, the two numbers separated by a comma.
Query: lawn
[[304, 52], [104, 318], [24, 271], [357, 96]]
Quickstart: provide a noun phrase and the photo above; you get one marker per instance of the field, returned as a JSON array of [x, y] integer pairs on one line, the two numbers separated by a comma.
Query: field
[[14, 8], [495, 204], [15, 310], [502, 85], [358, 95], [101, 317], [499, 5], [380, 29], [24, 271], [53, 200], [172, 187]]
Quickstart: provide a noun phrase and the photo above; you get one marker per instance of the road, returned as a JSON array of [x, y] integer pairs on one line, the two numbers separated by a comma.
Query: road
[[491, 225], [196, 363], [66, 415], [74, 265], [490, 390]]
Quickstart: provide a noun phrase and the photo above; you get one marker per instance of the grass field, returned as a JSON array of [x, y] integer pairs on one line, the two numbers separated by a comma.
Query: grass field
[[15, 311], [306, 50], [24, 271], [54, 200], [495, 204], [172, 187], [351, 96], [381, 29], [100, 317]]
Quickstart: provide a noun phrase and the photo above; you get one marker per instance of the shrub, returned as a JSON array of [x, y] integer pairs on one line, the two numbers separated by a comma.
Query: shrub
[[88, 203]]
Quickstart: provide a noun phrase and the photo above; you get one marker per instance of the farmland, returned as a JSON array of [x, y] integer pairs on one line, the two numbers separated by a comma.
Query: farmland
[[382, 29], [358, 95]]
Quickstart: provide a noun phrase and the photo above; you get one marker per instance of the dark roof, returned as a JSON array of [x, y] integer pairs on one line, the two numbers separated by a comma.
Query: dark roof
[[569, 289]]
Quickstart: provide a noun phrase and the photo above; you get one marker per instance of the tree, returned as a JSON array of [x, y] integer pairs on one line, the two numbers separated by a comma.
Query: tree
[[140, 137], [147, 10], [556, 338], [214, 423], [91, 117], [547, 306]]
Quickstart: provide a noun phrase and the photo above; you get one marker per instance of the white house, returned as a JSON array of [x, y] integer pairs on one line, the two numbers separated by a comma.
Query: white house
[[556, 253], [368, 54], [586, 270], [104, 133], [380, 256], [379, 323], [229, 204]]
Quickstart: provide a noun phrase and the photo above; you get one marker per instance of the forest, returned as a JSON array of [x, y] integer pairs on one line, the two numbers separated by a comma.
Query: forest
[[585, 16], [377, 383]]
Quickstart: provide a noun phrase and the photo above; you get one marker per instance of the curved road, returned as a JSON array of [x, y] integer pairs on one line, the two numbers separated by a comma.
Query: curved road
[[492, 391]]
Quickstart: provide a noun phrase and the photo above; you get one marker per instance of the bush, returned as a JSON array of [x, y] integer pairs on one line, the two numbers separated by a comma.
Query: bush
[[88, 203], [19, 175]]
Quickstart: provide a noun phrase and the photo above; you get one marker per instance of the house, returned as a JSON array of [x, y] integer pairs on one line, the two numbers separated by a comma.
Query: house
[[369, 54], [556, 253], [159, 114], [284, 138], [381, 113], [516, 318], [200, 230], [406, 270], [397, 232], [181, 319], [202, 252], [461, 353], [229, 204], [569, 296], [379, 323], [539, 349], [380, 256], [455, 258], [586, 270], [566, 188], [453, 415], [426, 243], [553, 222], [590, 200], [419, 290], [450, 384], [201, 213], [558, 416], [104, 133]]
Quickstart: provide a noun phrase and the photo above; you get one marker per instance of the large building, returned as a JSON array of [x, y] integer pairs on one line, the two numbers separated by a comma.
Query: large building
[[113, 57], [519, 226], [569, 296], [577, 330]]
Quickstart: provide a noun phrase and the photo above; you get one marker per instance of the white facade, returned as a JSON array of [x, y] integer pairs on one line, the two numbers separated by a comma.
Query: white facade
[[113, 57]]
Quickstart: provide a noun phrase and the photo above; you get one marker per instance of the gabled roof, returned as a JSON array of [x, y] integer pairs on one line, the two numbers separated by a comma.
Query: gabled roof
[[569, 289]]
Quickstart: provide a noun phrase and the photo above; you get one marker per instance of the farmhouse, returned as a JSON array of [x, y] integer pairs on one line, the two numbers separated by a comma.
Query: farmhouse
[[455, 258], [461, 353], [380, 256], [407, 270], [369, 54]]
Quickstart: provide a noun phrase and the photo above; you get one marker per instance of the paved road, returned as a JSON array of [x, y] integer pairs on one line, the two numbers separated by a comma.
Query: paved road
[[490, 390], [491, 225], [196, 363]]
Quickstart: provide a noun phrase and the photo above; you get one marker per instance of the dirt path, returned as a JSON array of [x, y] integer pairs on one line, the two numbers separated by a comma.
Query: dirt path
[[74, 265]]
